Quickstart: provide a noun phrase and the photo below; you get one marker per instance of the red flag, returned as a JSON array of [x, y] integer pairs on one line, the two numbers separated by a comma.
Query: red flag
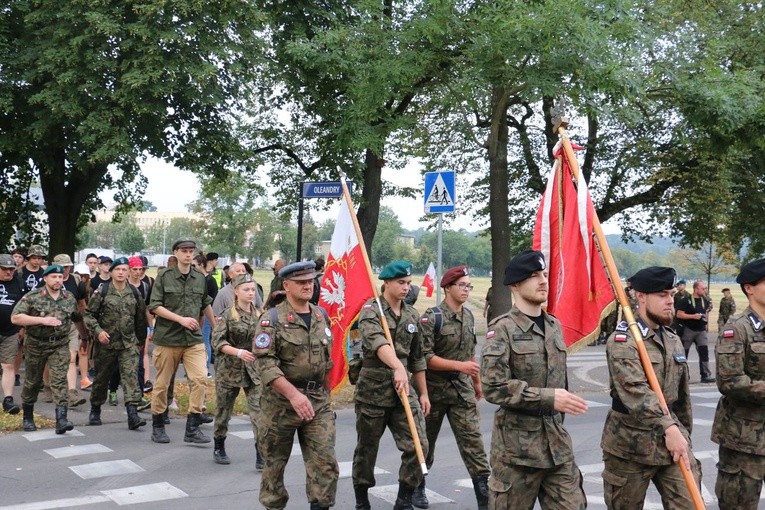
[[430, 280], [580, 292], [344, 289]]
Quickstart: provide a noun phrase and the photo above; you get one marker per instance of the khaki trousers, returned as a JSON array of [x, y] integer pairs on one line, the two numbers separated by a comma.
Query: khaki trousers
[[166, 360]]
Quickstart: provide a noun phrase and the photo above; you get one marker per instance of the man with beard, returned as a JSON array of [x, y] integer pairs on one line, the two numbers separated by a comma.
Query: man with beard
[[523, 370], [640, 443]]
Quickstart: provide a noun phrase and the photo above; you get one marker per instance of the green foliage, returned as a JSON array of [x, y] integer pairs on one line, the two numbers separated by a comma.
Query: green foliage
[[160, 237], [389, 229], [131, 239]]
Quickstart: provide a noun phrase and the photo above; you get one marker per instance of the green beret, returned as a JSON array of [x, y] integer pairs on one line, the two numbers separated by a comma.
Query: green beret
[[119, 262], [654, 279], [241, 279], [396, 269], [53, 268]]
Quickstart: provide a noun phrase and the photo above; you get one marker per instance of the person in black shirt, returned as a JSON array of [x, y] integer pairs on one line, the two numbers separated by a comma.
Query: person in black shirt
[[10, 293], [30, 274], [104, 263], [692, 313]]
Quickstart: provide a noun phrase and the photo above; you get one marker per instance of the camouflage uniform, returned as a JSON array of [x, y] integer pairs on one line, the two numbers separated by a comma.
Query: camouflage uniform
[[377, 402], [634, 448], [727, 310], [124, 317], [47, 344], [739, 424], [531, 452], [232, 373], [452, 393], [302, 356]]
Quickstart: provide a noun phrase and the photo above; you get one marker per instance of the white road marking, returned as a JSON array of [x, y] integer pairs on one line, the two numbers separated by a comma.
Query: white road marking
[[71, 451], [58, 503], [144, 494], [108, 468], [389, 492], [42, 435], [346, 469]]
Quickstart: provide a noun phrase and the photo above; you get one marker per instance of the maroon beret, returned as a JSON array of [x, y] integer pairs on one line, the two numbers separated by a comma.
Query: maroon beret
[[453, 274]]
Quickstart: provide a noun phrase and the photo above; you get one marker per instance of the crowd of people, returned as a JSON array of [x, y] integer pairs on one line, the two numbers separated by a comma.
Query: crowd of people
[[277, 348]]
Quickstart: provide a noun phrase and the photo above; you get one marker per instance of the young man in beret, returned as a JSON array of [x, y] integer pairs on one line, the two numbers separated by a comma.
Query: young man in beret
[[383, 376], [739, 424], [31, 272], [523, 370], [178, 299], [454, 388], [640, 443], [47, 313], [727, 309], [293, 351]]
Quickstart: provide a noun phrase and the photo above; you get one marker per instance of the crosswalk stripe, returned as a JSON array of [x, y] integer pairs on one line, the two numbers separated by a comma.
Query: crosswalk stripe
[[702, 423], [58, 503], [389, 492], [346, 470], [108, 468], [42, 435], [706, 394], [71, 451], [707, 404], [144, 493], [592, 403]]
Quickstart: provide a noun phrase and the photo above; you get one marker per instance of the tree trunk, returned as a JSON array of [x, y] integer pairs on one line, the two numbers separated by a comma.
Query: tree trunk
[[499, 209], [369, 211]]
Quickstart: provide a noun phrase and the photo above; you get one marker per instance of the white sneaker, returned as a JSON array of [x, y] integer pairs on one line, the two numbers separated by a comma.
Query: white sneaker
[[173, 405]]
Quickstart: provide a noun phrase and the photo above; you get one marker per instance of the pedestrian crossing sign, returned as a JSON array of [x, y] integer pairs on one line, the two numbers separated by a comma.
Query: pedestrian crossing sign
[[439, 192]]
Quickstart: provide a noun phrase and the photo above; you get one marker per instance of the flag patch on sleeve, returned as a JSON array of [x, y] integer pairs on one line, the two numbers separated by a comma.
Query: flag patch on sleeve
[[620, 338], [265, 324], [489, 334], [424, 320], [728, 333], [366, 307]]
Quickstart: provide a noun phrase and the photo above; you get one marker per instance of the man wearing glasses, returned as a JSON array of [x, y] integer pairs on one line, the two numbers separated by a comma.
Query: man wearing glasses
[[454, 387]]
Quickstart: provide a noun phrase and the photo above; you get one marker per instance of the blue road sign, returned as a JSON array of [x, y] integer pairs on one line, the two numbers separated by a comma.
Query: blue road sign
[[328, 189], [439, 192]]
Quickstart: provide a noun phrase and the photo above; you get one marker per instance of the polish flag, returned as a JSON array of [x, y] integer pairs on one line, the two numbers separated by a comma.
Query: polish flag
[[430, 280], [345, 287], [580, 294]]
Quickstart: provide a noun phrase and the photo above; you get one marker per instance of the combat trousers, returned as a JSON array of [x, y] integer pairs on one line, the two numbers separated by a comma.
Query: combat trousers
[[276, 431], [739, 480], [36, 355], [465, 423], [225, 396], [701, 339], [166, 360], [105, 360], [558, 488], [371, 421], [625, 483]]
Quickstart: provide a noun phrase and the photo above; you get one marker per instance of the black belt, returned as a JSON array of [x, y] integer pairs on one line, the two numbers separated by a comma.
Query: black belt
[[618, 406], [52, 338], [539, 412], [442, 374], [377, 363], [307, 385]]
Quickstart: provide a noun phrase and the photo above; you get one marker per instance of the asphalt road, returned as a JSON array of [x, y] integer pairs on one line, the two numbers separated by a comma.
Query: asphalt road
[[110, 466]]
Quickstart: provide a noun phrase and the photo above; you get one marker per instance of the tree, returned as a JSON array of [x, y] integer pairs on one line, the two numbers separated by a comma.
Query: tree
[[388, 232], [262, 241], [161, 236], [90, 89], [130, 239]]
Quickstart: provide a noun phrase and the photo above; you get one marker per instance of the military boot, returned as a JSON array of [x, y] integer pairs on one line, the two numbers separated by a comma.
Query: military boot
[[260, 463], [404, 498], [166, 417], [95, 415], [419, 498], [75, 399], [193, 434], [317, 506], [362, 498], [9, 407], [206, 418], [134, 421], [158, 434], [481, 488], [28, 420], [62, 424], [219, 452]]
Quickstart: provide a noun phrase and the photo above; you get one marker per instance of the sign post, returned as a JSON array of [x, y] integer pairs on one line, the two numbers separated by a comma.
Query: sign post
[[440, 198]]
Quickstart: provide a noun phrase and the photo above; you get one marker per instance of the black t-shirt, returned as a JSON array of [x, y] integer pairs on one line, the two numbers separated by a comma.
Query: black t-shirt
[[539, 320], [10, 293], [144, 288], [212, 286], [76, 288], [693, 305], [306, 318], [96, 281], [30, 279]]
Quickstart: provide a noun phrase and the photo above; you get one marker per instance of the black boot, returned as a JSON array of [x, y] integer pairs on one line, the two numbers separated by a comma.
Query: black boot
[[62, 424], [419, 498], [193, 434], [206, 418], [95, 415], [158, 434], [260, 463], [404, 498], [316, 506], [219, 453], [362, 498], [28, 420], [134, 421], [9, 407], [166, 417], [481, 488]]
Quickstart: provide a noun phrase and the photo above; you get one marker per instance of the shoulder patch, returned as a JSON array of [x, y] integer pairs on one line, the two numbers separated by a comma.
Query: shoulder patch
[[728, 333], [622, 326], [490, 334], [620, 337], [424, 320], [366, 307], [265, 323], [262, 341]]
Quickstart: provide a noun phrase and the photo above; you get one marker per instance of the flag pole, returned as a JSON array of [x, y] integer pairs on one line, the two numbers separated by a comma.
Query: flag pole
[[560, 125], [402, 395]]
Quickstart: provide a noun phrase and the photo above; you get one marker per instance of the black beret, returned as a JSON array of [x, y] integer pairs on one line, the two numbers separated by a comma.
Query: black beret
[[299, 271], [654, 279], [752, 272], [184, 243], [523, 265], [453, 274]]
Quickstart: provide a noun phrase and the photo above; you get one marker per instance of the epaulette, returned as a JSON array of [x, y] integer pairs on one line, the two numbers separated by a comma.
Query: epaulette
[[622, 326], [498, 317]]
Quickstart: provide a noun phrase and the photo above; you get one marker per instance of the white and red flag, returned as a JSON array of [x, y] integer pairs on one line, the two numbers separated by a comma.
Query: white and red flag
[[580, 292], [344, 289], [430, 279]]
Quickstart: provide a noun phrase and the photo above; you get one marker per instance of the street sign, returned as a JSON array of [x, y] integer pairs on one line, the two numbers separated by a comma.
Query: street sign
[[327, 189], [439, 192]]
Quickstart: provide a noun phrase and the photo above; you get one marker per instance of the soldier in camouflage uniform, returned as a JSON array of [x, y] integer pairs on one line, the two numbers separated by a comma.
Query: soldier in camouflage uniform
[[523, 370], [739, 424], [232, 341], [454, 388], [727, 309], [292, 348], [117, 318], [640, 443], [383, 377], [47, 313]]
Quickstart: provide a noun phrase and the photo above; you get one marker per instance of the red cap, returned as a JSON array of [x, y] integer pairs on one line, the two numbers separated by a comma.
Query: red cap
[[135, 262], [453, 274]]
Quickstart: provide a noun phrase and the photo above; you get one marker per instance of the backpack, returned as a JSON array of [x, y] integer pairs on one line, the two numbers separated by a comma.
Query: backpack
[[103, 290]]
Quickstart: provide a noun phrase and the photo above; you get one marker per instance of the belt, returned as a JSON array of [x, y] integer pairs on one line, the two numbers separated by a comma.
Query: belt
[[618, 406], [377, 363], [52, 338], [539, 412], [307, 385], [442, 374]]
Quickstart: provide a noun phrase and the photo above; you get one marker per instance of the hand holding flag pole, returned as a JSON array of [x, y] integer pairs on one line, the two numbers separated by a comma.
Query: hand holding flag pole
[[560, 123], [402, 393]]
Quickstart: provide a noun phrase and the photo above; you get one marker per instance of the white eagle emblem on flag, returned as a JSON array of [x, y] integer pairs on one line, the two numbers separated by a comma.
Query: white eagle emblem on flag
[[333, 292]]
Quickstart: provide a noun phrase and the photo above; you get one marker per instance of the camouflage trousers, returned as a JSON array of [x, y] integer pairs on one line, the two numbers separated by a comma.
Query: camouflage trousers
[[518, 487], [36, 355], [276, 430], [465, 424], [739, 480], [625, 483], [370, 425], [104, 360], [225, 396]]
